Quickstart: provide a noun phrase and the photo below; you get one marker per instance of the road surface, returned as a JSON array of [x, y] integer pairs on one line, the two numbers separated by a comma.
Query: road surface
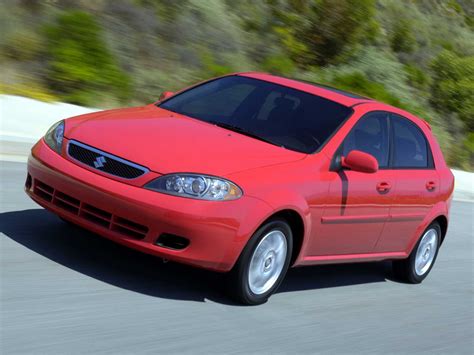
[[64, 290]]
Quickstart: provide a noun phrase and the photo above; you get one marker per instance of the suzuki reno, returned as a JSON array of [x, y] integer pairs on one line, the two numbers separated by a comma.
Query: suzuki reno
[[251, 174]]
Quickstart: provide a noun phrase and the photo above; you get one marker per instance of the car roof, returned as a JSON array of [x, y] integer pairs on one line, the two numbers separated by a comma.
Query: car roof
[[370, 106], [340, 96]]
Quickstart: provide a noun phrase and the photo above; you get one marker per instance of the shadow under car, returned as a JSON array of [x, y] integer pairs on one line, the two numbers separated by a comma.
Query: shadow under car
[[104, 260]]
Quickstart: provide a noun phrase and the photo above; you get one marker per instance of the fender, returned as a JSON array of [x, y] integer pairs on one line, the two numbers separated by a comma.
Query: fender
[[256, 212], [289, 200], [295, 186]]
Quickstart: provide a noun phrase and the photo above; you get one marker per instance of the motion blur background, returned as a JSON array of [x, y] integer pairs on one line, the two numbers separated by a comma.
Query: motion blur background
[[414, 54]]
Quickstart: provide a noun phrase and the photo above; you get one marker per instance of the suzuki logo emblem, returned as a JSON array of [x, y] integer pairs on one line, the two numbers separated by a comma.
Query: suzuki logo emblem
[[99, 162]]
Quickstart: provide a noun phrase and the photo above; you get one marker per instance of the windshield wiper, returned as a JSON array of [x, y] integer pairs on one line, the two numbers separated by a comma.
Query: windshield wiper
[[244, 132]]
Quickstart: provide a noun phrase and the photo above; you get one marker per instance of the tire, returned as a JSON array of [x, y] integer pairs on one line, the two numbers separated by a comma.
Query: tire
[[267, 253], [414, 269]]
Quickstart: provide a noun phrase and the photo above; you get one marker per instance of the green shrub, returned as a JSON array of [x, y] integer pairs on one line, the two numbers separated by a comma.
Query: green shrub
[[32, 90], [278, 64], [358, 83], [81, 68], [461, 154], [211, 68], [403, 39], [23, 45], [379, 66], [417, 77], [330, 29], [453, 86], [468, 144]]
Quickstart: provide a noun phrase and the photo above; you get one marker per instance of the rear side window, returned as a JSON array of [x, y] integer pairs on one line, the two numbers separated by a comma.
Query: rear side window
[[409, 143], [370, 135]]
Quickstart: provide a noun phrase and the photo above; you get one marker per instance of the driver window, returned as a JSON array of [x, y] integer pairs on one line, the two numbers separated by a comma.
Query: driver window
[[370, 135]]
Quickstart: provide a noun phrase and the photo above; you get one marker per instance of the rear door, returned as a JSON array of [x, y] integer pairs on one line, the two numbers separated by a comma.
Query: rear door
[[417, 186]]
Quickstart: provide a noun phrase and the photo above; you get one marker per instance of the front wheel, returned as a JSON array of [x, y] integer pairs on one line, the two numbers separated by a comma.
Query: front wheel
[[263, 263], [422, 258]]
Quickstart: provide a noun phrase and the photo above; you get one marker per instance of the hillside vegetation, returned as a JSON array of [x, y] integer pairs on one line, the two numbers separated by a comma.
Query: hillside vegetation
[[414, 54]]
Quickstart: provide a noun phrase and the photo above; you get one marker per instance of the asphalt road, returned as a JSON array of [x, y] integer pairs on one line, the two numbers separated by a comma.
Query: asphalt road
[[64, 290]]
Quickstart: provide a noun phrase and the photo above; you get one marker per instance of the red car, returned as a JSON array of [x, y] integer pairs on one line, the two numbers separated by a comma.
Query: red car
[[250, 174]]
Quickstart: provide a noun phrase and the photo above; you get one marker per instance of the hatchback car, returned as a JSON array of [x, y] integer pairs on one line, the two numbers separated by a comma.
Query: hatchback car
[[251, 174]]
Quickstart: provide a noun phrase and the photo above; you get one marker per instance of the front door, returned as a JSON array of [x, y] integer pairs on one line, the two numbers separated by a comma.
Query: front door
[[358, 203]]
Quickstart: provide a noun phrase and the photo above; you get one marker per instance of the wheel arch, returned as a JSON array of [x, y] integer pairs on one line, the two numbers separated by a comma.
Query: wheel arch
[[297, 225], [442, 220]]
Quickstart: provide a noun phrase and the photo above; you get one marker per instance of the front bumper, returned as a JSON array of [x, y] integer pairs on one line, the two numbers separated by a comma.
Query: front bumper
[[136, 217]]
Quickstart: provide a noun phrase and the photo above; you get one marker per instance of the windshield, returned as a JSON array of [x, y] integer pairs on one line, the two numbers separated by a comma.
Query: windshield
[[273, 113]]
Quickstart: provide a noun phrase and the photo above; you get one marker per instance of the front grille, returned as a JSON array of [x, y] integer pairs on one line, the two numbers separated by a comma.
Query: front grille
[[104, 162], [88, 212]]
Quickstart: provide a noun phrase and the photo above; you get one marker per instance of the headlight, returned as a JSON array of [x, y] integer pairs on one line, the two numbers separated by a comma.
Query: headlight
[[197, 186], [54, 136]]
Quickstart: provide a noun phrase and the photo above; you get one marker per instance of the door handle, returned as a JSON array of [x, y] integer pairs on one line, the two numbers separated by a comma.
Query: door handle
[[430, 185], [384, 186]]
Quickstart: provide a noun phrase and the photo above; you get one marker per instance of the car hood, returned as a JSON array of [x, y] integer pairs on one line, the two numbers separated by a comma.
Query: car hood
[[167, 142]]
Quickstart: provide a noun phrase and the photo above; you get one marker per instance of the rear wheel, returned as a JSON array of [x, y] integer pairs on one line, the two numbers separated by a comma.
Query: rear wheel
[[263, 263], [422, 258]]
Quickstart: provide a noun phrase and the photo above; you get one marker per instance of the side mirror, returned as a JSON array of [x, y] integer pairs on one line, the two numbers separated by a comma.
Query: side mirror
[[165, 95], [360, 161]]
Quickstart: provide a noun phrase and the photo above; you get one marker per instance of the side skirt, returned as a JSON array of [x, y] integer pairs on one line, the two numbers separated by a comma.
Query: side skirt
[[349, 258]]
